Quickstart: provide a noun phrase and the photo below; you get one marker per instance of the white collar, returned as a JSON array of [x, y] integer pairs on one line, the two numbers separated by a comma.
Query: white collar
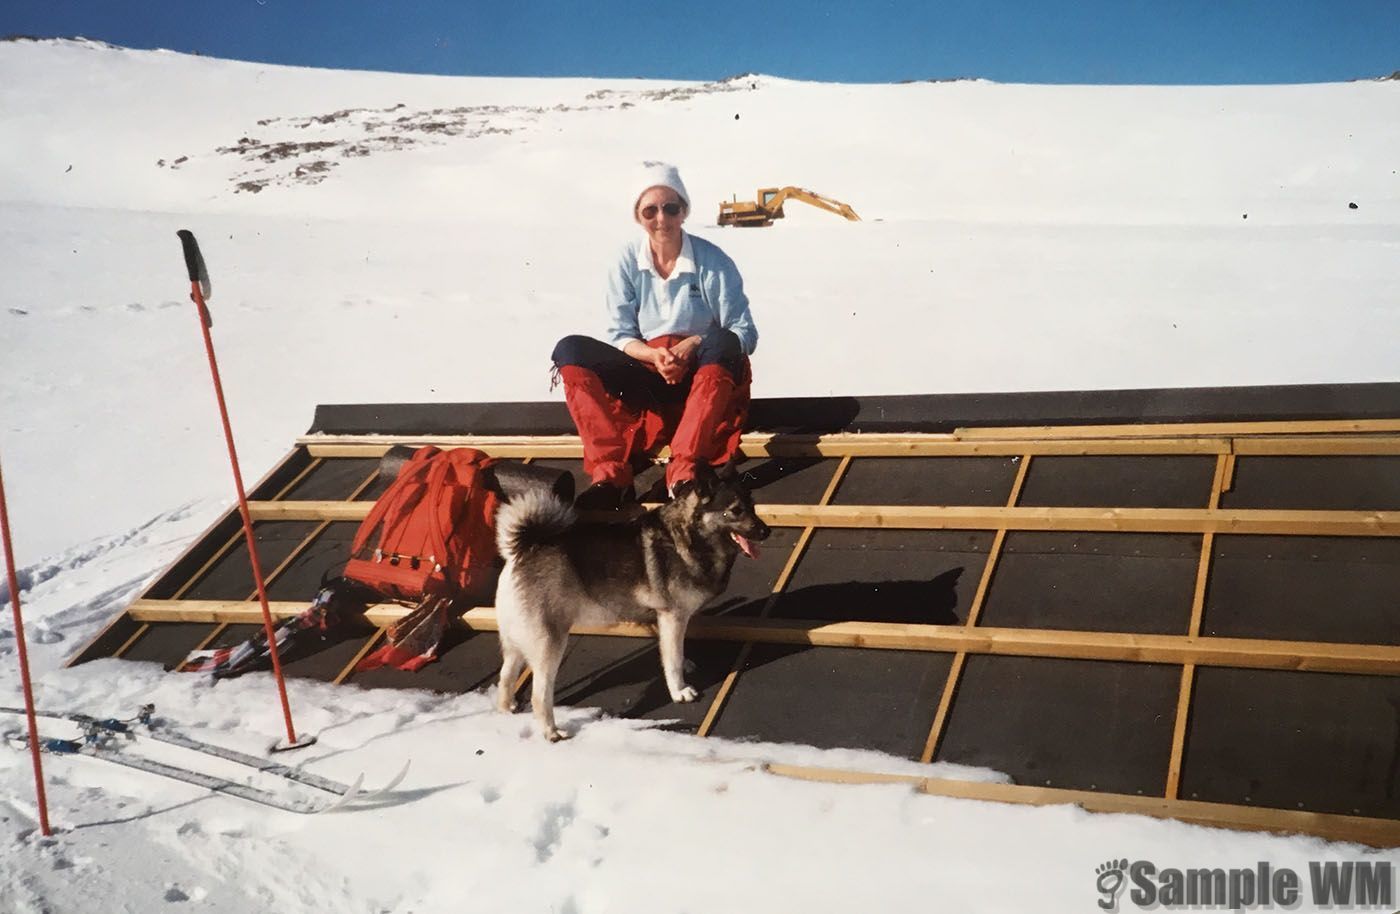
[[685, 263]]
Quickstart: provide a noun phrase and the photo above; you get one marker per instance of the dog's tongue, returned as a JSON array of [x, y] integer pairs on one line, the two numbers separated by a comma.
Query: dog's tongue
[[750, 549]]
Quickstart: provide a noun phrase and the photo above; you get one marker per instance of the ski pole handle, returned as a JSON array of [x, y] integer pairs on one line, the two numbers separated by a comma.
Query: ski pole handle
[[198, 273], [193, 260]]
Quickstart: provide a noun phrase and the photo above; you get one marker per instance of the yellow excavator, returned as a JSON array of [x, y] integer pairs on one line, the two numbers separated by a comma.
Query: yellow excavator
[[768, 205]]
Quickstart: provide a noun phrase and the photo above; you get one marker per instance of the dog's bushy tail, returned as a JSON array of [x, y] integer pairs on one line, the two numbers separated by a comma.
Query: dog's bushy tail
[[531, 519]]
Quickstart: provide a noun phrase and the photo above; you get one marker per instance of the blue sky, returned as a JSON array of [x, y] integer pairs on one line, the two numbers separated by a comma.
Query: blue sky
[[1088, 41]]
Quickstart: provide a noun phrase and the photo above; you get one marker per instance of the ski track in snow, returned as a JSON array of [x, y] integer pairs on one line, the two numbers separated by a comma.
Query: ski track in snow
[[79, 556], [69, 596]]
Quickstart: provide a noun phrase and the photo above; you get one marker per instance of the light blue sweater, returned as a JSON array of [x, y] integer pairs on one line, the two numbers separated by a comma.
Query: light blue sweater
[[705, 291]]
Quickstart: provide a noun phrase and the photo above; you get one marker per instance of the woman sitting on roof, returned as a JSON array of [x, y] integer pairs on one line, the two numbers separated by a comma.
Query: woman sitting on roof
[[675, 366]]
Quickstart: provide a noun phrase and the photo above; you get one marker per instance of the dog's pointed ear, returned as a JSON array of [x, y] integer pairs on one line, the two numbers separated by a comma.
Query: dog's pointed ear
[[704, 481], [685, 487]]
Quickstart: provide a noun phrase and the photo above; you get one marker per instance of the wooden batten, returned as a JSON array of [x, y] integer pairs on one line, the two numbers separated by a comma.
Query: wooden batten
[[1297, 446], [1315, 437], [1249, 653], [1223, 468], [1182, 429], [1369, 831], [1227, 481], [110, 638], [945, 705], [365, 648], [129, 642], [1110, 520], [1316, 446], [974, 611], [122, 623], [1278, 446], [204, 643], [311, 537], [238, 535], [799, 549], [831, 446]]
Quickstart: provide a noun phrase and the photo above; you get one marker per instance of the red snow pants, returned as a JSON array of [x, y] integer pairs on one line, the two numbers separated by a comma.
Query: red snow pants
[[624, 409]]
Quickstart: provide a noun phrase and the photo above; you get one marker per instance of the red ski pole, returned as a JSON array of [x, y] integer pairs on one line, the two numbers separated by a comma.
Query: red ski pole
[[24, 665], [199, 288]]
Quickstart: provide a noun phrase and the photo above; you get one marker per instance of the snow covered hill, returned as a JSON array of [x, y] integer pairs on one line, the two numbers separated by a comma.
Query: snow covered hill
[[1015, 237], [378, 238]]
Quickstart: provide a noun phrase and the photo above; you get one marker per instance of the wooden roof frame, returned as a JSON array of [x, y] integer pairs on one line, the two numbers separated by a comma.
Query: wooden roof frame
[[1225, 440]]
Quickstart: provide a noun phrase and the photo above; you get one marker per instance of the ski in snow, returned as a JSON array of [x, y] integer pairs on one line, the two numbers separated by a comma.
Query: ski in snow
[[94, 727], [159, 731], [209, 782]]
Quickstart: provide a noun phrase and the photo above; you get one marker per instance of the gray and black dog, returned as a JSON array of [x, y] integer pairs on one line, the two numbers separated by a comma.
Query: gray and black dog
[[660, 567]]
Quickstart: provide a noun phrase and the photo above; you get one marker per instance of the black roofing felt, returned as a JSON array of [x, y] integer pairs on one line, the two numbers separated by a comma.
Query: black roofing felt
[[1306, 588], [1322, 483], [1075, 724], [1102, 582], [1336, 752], [924, 577], [164, 643], [913, 413], [1137, 481], [622, 676], [1282, 739], [836, 697], [469, 661], [928, 481]]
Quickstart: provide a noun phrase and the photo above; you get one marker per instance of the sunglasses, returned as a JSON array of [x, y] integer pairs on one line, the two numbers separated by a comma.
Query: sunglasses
[[670, 209]]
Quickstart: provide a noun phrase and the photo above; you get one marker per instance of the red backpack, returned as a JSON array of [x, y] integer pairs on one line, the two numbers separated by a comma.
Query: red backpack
[[432, 532]]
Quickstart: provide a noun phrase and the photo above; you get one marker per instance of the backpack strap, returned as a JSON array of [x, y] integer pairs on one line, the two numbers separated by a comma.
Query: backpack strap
[[403, 494], [433, 494]]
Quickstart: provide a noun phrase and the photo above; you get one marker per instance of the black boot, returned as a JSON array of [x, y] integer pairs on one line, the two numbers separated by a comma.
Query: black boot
[[604, 496]]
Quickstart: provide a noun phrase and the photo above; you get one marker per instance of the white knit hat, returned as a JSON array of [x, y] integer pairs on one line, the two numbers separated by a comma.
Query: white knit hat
[[659, 174]]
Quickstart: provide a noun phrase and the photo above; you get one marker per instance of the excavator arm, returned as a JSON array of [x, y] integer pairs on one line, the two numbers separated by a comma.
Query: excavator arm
[[811, 198]]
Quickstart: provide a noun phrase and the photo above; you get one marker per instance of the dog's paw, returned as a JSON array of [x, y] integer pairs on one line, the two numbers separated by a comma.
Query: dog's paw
[[685, 694], [507, 707], [554, 735]]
